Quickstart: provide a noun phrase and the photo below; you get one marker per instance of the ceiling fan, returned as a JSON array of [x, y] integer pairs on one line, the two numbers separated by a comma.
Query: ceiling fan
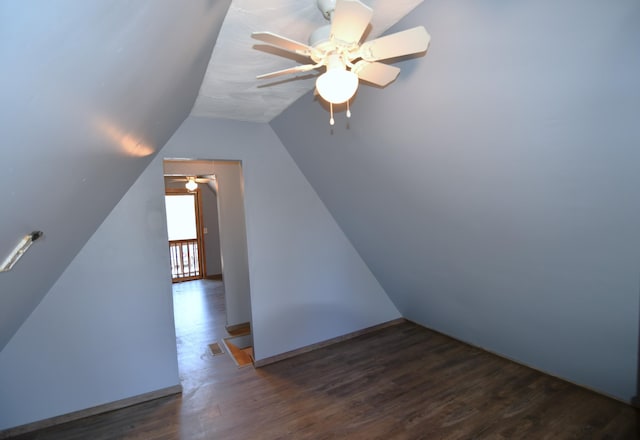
[[191, 182], [337, 47]]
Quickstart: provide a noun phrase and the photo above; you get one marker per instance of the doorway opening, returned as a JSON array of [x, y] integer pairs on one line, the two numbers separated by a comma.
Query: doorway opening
[[184, 227], [211, 245]]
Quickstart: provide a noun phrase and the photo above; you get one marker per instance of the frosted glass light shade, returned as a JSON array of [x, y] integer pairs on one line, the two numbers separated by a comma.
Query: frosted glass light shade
[[337, 85]]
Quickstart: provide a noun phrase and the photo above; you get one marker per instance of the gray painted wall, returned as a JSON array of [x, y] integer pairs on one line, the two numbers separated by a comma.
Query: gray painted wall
[[233, 242], [308, 283], [105, 330], [212, 236], [91, 90], [493, 188]]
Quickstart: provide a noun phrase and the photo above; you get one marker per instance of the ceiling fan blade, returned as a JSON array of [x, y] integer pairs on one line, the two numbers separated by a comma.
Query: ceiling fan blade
[[376, 73], [303, 68], [402, 43], [199, 179], [283, 42], [349, 21]]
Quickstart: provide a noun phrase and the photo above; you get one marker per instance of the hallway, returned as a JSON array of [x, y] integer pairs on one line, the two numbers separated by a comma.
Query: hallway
[[199, 311], [199, 314]]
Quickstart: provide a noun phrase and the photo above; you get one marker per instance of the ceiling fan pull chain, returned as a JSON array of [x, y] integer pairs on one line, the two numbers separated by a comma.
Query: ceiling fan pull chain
[[348, 111], [331, 120]]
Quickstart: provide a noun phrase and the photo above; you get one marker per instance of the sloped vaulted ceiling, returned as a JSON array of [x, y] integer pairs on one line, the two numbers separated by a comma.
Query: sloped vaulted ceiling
[[90, 91]]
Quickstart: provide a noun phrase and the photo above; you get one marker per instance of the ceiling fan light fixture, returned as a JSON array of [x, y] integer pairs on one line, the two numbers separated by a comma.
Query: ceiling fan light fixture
[[191, 184], [338, 47], [337, 85]]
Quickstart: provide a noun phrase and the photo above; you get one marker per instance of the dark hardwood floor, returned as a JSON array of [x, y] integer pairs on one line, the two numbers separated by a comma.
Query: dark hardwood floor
[[402, 382]]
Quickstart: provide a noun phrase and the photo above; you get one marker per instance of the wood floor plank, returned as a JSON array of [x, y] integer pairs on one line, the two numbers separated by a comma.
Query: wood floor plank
[[401, 382]]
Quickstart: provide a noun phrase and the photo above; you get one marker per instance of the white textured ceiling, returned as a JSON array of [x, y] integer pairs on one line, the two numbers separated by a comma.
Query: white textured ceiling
[[230, 90]]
